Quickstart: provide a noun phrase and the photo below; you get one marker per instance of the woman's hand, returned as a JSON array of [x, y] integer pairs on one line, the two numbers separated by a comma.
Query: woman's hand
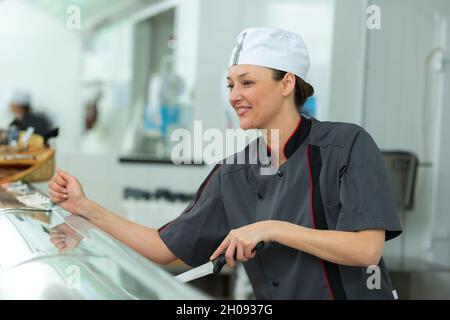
[[64, 238], [243, 240], [67, 192]]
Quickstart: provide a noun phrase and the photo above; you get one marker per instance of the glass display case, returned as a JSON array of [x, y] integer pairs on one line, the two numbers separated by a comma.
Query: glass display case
[[97, 266]]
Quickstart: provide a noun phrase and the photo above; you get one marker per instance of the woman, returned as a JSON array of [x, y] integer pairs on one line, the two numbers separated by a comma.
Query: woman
[[324, 215]]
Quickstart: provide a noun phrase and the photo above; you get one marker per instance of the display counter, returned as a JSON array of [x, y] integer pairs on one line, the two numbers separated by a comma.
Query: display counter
[[98, 266]]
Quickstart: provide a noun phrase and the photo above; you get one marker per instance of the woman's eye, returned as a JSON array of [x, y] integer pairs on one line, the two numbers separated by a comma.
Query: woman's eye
[[247, 83], [230, 86]]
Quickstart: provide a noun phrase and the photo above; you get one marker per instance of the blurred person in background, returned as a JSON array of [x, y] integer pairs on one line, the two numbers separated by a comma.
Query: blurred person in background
[[24, 117]]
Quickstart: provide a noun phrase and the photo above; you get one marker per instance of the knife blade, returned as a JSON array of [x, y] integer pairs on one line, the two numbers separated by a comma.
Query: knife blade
[[214, 266]]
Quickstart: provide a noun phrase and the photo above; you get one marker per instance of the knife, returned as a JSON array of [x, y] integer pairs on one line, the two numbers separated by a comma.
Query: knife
[[214, 266]]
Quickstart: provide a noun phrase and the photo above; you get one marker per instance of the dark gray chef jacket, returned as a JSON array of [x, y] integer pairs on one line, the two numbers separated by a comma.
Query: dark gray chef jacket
[[334, 179]]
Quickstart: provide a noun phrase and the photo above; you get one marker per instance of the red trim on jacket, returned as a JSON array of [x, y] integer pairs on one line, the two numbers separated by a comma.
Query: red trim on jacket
[[292, 134], [313, 218]]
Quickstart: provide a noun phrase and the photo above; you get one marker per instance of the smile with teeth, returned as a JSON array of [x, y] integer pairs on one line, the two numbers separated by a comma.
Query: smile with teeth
[[242, 110]]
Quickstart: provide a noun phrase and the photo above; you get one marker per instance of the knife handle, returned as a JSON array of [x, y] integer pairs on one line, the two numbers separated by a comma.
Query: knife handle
[[220, 261]]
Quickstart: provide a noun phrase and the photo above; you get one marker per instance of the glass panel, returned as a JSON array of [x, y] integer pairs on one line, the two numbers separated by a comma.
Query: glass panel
[[96, 267]]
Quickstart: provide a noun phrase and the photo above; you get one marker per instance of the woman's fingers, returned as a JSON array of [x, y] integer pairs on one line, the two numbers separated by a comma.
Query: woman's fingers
[[55, 230], [229, 254], [57, 188], [58, 239], [248, 250], [59, 180], [62, 247], [238, 245], [64, 175], [240, 252], [57, 195], [221, 248], [58, 236], [58, 243], [58, 231]]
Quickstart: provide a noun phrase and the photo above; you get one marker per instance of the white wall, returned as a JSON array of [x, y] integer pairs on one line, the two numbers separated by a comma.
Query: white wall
[[314, 21], [38, 54], [348, 62], [107, 66], [187, 33]]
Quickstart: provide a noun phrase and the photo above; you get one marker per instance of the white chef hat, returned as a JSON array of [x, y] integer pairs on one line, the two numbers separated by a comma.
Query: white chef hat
[[273, 48], [21, 98]]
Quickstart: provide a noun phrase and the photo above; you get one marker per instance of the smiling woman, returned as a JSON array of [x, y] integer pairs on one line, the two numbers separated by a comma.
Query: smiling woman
[[267, 91], [324, 213]]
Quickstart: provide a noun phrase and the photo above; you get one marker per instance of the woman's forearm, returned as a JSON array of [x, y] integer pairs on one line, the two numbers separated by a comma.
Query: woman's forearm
[[142, 239], [361, 248]]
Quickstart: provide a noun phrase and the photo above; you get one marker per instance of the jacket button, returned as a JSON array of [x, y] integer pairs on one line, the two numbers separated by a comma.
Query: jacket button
[[259, 195], [275, 283], [280, 174]]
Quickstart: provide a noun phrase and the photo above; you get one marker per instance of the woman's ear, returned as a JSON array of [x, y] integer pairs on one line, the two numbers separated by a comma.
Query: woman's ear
[[288, 84]]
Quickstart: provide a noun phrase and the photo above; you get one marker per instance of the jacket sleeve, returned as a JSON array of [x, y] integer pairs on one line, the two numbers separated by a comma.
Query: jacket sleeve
[[365, 193], [201, 227]]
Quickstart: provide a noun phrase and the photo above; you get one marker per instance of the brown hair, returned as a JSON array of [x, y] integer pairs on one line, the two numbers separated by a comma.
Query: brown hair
[[303, 90]]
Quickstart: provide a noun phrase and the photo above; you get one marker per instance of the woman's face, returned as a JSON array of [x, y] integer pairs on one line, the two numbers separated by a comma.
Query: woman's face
[[255, 95]]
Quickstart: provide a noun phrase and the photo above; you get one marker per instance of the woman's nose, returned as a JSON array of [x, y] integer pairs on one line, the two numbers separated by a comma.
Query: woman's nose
[[235, 95]]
